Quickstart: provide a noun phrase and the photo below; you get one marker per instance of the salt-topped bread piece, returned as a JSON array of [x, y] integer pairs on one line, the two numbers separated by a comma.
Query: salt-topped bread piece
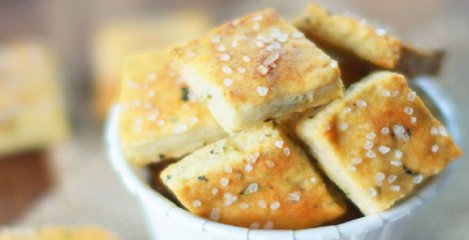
[[379, 142], [256, 68], [159, 117], [355, 36], [32, 105], [116, 41], [257, 178]]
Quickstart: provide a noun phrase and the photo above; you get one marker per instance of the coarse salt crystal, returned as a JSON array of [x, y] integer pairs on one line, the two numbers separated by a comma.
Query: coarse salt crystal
[[248, 167], [395, 188], [262, 91], [384, 149], [275, 205], [262, 69], [221, 48], [224, 181], [246, 59], [343, 126], [279, 143], [196, 203], [417, 179], [368, 145], [227, 82], [396, 163], [362, 103], [356, 161], [370, 154], [251, 188], [371, 136], [385, 131], [228, 169], [386, 93], [227, 69], [294, 196], [408, 110], [214, 191], [435, 148], [224, 57]]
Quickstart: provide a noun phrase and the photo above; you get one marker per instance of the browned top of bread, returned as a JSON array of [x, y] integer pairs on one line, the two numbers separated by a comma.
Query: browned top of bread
[[257, 178], [258, 57], [382, 138]]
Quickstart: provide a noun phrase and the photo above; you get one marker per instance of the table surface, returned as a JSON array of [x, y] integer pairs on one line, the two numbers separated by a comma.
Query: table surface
[[88, 192]]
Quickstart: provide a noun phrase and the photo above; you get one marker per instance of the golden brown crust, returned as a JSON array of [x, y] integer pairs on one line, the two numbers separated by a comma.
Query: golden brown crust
[[160, 119], [257, 178], [344, 35], [259, 66], [382, 138]]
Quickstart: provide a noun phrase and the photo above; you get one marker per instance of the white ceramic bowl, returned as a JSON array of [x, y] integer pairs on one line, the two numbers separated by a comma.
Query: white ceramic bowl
[[166, 221]]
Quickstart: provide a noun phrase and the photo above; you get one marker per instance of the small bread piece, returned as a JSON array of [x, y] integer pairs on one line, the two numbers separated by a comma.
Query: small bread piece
[[57, 233], [159, 118], [256, 68], [32, 105], [356, 37], [257, 178], [117, 41], [379, 142]]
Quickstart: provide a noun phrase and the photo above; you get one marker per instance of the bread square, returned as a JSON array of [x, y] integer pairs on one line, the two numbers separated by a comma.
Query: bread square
[[255, 68], [32, 105], [257, 178], [159, 117], [116, 41], [350, 36], [379, 142]]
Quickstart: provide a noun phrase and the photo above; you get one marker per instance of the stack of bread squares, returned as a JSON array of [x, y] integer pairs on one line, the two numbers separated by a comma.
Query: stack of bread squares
[[284, 145]]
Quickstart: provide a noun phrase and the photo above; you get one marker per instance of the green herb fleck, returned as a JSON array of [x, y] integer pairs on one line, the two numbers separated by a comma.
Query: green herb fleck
[[408, 171], [202, 179], [185, 94]]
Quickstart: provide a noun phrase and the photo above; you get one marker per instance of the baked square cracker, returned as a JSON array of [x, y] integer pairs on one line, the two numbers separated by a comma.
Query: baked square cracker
[[116, 41], [379, 142], [159, 117], [257, 178], [258, 67], [32, 105], [354, 36]]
